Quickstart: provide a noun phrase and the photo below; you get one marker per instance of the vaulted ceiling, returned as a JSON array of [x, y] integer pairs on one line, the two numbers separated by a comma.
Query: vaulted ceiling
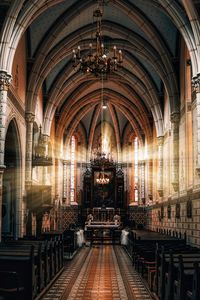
[[146, 32]]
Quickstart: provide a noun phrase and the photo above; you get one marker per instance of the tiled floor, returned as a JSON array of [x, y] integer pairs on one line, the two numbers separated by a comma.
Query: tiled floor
[[97, 273]]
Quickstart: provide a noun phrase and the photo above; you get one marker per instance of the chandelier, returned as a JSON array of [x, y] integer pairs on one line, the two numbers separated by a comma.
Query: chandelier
[[98, 61], [102, 178]]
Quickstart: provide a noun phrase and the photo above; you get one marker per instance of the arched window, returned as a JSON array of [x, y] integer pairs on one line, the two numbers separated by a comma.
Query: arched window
[[72, 169], [136, 169]]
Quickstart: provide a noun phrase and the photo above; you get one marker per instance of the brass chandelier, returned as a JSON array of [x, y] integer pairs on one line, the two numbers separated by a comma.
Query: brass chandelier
[[98, 61], [102, 178]]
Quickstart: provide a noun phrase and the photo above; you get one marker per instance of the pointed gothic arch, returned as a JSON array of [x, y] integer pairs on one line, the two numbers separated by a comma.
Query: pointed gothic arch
[[12, 201]]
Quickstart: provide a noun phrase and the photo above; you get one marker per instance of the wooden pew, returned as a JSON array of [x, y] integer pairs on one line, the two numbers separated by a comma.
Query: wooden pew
[[151, 263], [21, 262], [184, 278], [143, 251], [52, 236], [41, 259], [69, 241], [48, 258], [164, 261], [52, 255], [143, 256], [11, 286], [57, 238], [194, 292], [167, 271]]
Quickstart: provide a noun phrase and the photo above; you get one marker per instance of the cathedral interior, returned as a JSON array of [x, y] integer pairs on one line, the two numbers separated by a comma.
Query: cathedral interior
[[100, 149]]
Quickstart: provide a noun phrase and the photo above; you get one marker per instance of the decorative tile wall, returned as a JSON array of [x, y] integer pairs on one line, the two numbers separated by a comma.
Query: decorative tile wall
[[184, 224], [69, 216], [138, 215]]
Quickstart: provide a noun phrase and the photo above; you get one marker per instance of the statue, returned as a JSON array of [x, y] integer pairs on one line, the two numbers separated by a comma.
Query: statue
[[90, 218], [116, 219]]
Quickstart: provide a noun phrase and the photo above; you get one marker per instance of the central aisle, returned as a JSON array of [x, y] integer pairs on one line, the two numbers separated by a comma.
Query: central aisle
[[101, 272]]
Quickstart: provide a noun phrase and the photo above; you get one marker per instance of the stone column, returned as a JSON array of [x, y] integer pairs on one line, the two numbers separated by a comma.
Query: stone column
[[29, 117], [57, 181], [142, 181], [196, 96], [45, 139], [29, 147], [65, 181], [175, 118], [160, 141], [68, 182], [5, 80], [149, 170]]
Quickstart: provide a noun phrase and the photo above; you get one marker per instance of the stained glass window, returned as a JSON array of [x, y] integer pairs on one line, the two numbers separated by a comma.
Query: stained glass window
[[72, 175], [136, 169]]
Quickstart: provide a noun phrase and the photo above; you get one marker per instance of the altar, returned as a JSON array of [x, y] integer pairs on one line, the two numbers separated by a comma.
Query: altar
[[102, 225], [103, 232], [103, 214], [103, 201]]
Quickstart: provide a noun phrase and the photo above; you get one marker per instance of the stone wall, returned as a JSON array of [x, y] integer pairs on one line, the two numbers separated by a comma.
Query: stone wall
[[158, 217]]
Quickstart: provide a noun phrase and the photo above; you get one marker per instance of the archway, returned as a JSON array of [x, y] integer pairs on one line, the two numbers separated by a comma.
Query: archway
[[10, 209]]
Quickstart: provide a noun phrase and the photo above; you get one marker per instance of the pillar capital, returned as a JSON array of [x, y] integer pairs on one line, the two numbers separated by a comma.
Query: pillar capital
[[175, 118], [30, 117], [196, 83], [160, 140], [5, 80]]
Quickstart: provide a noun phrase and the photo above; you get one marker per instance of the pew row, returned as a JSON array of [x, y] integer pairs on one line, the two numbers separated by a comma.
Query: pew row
[[167, 263], [36, 264]]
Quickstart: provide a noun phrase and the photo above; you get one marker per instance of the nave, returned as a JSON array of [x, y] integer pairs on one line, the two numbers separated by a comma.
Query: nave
[[99, 272], [99, 133]]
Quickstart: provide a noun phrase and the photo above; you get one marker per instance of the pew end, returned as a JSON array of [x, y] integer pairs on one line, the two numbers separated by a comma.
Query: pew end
[[11, 286]]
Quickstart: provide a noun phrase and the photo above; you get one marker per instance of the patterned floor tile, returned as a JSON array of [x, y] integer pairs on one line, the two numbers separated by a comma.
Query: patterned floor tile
[[101, 273]]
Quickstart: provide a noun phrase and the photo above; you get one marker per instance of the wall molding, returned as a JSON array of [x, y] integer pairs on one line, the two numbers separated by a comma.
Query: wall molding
[[191, 195]]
